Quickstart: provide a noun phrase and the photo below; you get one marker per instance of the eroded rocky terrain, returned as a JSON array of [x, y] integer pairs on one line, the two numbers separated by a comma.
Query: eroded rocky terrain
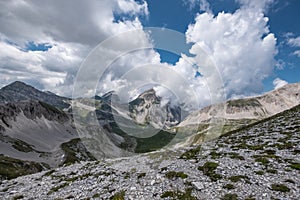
[[257, 162]]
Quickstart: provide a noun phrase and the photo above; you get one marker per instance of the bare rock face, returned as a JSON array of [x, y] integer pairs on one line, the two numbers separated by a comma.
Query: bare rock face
[[32, 110], [147, 109]]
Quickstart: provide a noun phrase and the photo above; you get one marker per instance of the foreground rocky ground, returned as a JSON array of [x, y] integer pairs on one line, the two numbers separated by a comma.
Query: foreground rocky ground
[[258, 162]]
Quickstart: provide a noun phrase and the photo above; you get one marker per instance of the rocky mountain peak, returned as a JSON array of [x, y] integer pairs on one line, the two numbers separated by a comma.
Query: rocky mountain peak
[[19, 91], [147, 109], [17, 84]]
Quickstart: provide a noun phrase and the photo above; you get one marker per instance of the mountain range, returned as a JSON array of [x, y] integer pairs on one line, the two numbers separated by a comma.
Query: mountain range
[[40, 130]]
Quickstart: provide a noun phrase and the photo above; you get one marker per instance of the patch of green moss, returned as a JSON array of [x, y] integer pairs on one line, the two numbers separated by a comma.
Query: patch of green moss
[[272, 171], [215, 155], [96, 195], [234, 155], [118, 196], [141, 175], [262, 160], [230, 197], [209, 170], [56, 188], [295, 166], [289, 181], [18, 197], [249, 198], [229, 186], [259, 172], [178, 195], [280, 187], [173, 174], [238, 178], [191, 154], [48, 173]]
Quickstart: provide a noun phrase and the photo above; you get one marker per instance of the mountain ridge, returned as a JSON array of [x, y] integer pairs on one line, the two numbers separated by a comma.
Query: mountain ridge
[[19, 91]]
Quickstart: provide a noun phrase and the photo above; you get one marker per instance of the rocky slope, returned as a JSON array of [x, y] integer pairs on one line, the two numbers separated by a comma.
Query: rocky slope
[[33, 133], [233, 114], [260, 161]]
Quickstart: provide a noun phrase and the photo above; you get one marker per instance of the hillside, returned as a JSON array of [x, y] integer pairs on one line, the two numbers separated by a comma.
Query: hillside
[[260, 161], [221, 118]]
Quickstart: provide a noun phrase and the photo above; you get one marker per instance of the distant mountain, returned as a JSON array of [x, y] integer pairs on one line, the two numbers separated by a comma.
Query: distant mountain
[[147, 109], [19, 91], [35, 133], [234, 114]]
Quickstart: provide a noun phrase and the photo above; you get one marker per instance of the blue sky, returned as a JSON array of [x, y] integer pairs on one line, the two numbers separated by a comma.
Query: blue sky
[[283, 17], [254, 44]]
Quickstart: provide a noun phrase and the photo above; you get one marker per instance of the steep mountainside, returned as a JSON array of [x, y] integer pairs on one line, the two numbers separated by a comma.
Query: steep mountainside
[[19, 91], [260, 161], [237, 113], [36, 133]]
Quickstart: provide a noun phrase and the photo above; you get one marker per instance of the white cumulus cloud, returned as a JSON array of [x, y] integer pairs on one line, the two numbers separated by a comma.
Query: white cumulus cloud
[[278, 83], [71, 27], [240, 45]]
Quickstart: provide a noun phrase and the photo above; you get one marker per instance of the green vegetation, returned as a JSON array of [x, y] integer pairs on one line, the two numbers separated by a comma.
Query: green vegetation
[[295, 166], [260, 172], [249, 198], [173, 174], [118, 196], [229, 186], [234, 155], [141, 175], [96, 195], [272, 171], [209, 170], [11, 168], [244, 103], [238, 178], [280, 188], [215, 155], [262, 160], [244, 145], [159, 140], [270, 151], [48, 173], [230, 197], [71, 152], [18, 197], [22, 146], [143, 145], [178, 195], [191, 154], [289, 181], [56, 188]]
